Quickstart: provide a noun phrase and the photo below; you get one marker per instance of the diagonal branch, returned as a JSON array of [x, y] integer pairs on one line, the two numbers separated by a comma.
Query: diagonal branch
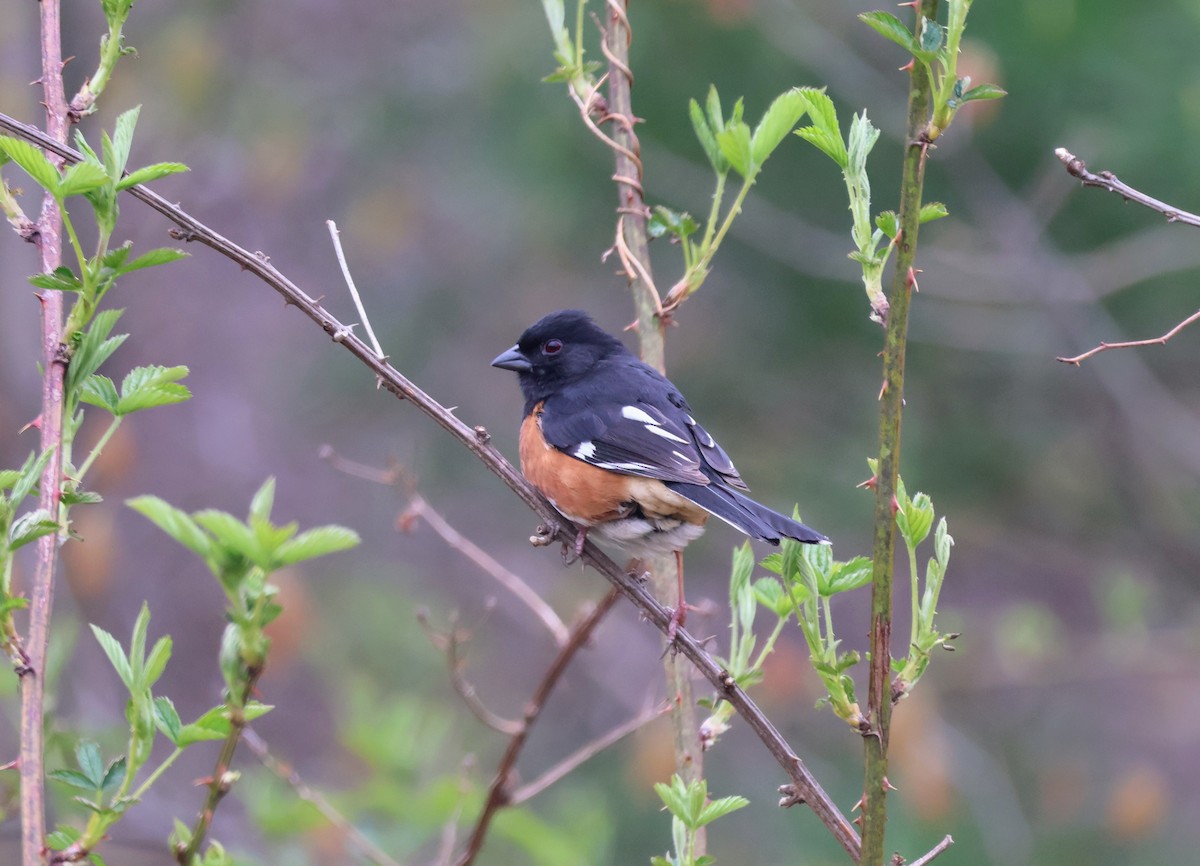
[[499, 793], [477, 441], [1131, 344]]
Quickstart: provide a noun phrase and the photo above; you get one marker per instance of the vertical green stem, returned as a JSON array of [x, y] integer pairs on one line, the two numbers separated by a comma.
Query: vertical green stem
[[879, 701], [631, 205]]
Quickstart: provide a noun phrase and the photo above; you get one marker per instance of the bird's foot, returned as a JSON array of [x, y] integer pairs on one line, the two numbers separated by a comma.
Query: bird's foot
[[572, 553]]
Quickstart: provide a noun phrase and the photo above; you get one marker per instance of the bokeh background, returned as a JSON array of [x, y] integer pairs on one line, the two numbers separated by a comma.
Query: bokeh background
[[471, 201]]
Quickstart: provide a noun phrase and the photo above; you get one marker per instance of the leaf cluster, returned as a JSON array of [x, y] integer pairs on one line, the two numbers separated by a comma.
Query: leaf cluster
[[690, 810]]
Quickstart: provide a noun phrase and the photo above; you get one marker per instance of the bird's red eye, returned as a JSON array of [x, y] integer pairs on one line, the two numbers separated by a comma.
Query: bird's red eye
[[552, 347]]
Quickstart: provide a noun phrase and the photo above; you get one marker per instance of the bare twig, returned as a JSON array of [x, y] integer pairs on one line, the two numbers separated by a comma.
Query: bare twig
[[1076, 167], [353, 836], [54, 361], [499, 793], [933, 852], [478, 443], [336, 236], [1130, 344], [449, 643], [419, 507], [585, 753]]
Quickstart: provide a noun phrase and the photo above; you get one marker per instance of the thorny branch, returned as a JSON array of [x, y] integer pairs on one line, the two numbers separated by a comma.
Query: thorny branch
[[477, 441], [1076, 167]]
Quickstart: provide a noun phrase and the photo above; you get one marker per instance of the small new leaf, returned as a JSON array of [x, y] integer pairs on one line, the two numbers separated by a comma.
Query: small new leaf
[[33, 162], [160, 256], [707, 138], [721, 807], [779, 119], [116, 655], [316, 542], [87, 754], [80, 178], [73, 778], [148, 387], [167, 719], [175, 523], [61, 279], [29, 527], [983, 91], [890, 27], [149, 173], [734, 142]]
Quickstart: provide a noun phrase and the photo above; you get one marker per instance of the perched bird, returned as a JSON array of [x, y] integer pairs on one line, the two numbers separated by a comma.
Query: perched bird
[[613, 445]]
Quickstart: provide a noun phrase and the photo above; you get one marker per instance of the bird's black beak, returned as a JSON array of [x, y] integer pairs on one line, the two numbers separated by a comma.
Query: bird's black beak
[[512, 360]]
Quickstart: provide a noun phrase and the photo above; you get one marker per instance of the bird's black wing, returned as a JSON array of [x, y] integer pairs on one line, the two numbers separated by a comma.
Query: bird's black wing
[[629, 418]]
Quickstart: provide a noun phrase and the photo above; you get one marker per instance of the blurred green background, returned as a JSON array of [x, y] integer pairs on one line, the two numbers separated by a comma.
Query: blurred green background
[[472, 200]]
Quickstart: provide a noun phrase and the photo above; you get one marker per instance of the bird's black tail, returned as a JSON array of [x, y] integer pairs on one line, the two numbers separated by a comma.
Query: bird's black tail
[[744, 514]]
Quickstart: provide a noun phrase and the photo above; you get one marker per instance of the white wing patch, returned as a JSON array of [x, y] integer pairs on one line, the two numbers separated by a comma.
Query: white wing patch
[[585, 450], [633, 413], [666, 434]]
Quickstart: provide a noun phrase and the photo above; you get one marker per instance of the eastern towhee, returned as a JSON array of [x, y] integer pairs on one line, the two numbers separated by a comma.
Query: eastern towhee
[[614, 447]]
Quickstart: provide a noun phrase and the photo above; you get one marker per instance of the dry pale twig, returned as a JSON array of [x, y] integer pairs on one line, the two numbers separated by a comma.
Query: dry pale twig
[[478, 442], [586, 753], [336, 236], [1076, 167], [933, 852], [418, 506], [288, 774]]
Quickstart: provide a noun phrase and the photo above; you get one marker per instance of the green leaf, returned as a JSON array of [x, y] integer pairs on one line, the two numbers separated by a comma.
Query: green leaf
[[779, 119], [232, 534], [263, 500], [151, 172], [81, 497], [87, 754], [890, 27], [215, 724], [915, 519], [80, 178], [148, 387], [316, 542], [114, 775], [27, 476], [175, 523], [61, 279], [62, 837], [863, 135], [712, 104], [116, 151], [137, 648], [678, 224], [734, 142], [99, 390], [721, 807], [983, 91], [73, 778], [934, 210], [933, 37], [116, 655], [33, 162], [95, 347], [156, 662], [167, 719], [708, 141], [159, 256], [846, 576], [825, 133], [888, 223], [31, 526]]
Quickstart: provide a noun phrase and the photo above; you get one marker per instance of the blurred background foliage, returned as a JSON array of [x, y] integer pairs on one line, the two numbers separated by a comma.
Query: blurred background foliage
[[472, 200]]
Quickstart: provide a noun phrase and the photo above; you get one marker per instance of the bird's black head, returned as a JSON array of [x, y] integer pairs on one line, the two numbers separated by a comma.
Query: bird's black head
[[557, 349]]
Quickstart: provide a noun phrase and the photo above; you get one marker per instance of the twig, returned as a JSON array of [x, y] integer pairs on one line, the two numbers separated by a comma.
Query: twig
[[1076, 167], [499, 793], [1130, 344], [358, 304], [355, 837], [891, 403], [54, 361], [585, 753], [419, 507], [449, 642], [934, 852], [478, 443]]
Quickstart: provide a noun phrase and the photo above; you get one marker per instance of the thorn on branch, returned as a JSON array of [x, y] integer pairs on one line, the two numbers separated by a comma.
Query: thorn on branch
[[791, 797]]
